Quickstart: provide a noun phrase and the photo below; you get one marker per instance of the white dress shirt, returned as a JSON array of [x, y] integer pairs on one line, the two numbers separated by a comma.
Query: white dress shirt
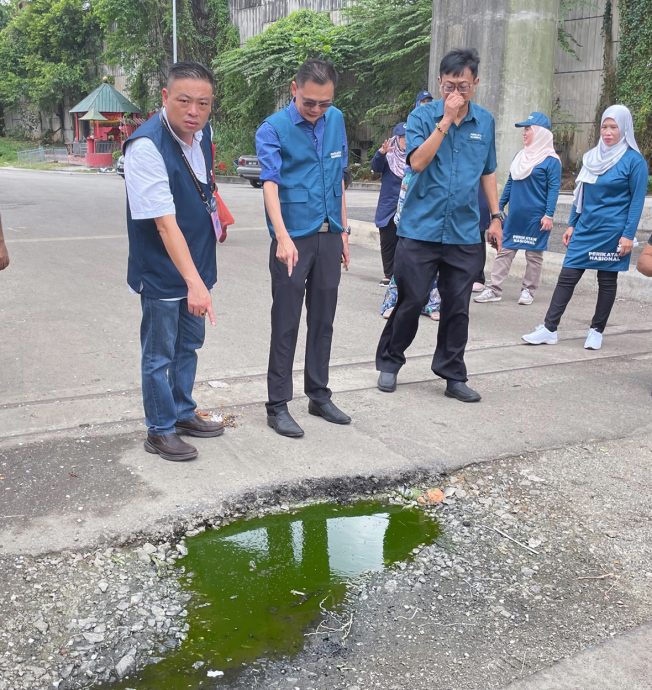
[[146, 177]]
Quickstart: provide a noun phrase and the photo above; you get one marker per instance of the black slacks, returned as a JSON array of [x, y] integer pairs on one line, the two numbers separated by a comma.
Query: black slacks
[[568, 279], [317, 276], [388, 240], [415, 265]]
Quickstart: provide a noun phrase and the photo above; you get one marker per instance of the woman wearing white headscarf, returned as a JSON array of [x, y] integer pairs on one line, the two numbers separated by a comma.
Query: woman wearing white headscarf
[[531, 192], [607, 207]]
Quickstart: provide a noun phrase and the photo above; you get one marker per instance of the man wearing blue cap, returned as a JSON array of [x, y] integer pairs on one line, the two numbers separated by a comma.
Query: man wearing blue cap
[[531, 194], [451, 149]]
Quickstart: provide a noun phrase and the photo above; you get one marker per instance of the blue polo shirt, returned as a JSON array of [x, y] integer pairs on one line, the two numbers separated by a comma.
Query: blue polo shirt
[[441, 204]]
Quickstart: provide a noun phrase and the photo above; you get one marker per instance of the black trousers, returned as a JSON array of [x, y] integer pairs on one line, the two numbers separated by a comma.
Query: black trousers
[[415, 265], [317, 276], [388, 240], [568, 279], [481, 278]]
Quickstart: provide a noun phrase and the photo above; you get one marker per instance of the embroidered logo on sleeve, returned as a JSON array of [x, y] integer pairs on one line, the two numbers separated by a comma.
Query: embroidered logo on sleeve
[[336, 154]]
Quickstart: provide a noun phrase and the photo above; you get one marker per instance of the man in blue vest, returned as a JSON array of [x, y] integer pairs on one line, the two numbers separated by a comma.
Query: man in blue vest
[[303, 153], [172, 262], [451, 149]]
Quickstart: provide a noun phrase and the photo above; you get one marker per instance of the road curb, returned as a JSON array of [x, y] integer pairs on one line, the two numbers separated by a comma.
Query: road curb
[[631, 284]]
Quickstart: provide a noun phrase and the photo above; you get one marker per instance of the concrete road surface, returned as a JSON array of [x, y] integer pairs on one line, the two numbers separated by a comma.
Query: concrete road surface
[[70, 409]]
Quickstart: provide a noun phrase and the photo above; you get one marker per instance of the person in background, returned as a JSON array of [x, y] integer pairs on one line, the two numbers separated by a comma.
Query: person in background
[[4, 252], [607, 206], [531, 193], [451, 151], [485, 220], [389, 162], [432, 305], [303, 154], [644, 264]]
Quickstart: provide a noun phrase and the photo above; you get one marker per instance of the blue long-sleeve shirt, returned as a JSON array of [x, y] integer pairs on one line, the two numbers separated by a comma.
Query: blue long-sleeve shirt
[[390, 188], [611, 209], [539, 190], [615, 200], [529, 200]]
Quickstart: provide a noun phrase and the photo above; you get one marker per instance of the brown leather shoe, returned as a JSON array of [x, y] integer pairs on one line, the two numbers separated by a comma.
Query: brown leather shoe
[[201, 425], [170, 447]]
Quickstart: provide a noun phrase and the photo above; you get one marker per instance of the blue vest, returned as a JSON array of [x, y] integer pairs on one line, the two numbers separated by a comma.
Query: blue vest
[[311, 188], [150, 270]]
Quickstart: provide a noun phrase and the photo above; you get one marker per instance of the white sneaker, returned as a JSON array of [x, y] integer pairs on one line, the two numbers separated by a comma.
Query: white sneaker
[[593, 340], [487, 295], [526, 297], [478, 287], [541, 336]]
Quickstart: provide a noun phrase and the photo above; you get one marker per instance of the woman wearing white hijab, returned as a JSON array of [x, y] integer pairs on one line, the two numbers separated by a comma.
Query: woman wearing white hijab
[[607, 207], [531, 192]]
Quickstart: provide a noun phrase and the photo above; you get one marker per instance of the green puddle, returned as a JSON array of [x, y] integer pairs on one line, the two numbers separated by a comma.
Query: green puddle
[[257, 584]]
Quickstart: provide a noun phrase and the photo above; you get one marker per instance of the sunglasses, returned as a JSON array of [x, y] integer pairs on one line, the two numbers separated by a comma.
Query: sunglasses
[[322, 105]]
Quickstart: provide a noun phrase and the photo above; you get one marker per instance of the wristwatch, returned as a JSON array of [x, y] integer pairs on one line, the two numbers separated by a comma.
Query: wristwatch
[[347, 230], [498, 216]]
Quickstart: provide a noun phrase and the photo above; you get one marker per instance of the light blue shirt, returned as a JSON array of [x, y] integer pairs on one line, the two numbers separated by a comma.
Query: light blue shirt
[[441, 204]]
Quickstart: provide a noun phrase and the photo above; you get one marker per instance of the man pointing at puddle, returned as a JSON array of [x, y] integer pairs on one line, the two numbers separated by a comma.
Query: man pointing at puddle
[[303, 153]]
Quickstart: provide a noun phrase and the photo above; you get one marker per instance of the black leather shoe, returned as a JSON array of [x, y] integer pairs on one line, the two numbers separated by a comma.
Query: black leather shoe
[[387, 382], [170, 447], [460, 391], [329, 411], [202, 426], [283, 423]]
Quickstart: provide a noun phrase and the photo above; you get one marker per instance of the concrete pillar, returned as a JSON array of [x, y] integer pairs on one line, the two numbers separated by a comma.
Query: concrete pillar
[[516, 40]]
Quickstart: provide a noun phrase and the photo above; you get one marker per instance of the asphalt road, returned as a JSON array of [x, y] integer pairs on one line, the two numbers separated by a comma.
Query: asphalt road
[[72, 468]]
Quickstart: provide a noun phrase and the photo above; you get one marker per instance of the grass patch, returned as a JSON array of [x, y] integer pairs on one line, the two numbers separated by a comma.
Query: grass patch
[[9, 146]]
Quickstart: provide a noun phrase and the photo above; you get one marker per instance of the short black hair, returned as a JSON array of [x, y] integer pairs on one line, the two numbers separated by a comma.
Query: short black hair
[[456, 61], [190, 70], [317, 71]]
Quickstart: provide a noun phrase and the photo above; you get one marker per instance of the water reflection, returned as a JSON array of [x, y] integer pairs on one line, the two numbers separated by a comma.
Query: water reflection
[[257, 584]]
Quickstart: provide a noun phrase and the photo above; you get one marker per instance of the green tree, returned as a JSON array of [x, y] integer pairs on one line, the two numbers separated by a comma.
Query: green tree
[[254, 77], [633, 83], [49, 52], [384, 48], [139, 38]]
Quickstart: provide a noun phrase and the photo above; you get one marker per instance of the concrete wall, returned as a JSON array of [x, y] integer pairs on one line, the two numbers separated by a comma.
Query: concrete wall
[[254, 16], [516, 41], [579, 82]]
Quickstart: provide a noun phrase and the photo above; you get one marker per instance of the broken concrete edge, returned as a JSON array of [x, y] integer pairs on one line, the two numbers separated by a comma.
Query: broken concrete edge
[[207, 514], [631, 284]]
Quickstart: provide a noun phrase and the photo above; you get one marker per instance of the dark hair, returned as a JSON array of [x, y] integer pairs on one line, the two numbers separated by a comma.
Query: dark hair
[[317, 71], [190, 70], [456, 61]]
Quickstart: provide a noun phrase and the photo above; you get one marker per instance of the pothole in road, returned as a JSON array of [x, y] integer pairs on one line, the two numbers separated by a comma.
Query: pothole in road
[[259, 585]]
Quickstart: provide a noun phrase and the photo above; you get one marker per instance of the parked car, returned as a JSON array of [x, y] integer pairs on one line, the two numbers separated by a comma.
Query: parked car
[[249, 168], [120, 166]]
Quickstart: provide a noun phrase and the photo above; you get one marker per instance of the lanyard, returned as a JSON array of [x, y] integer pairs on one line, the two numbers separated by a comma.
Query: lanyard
[[209, 203]]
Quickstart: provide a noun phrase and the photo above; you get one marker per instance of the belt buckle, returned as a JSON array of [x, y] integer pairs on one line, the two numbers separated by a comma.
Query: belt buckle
[[324, 228]]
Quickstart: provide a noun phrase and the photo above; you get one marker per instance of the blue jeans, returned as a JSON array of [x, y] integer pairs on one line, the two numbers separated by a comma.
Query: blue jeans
[[169, 338]]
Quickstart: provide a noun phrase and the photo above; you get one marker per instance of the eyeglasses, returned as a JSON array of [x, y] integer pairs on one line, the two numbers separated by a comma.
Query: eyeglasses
[[322, 105], [450, 87]]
